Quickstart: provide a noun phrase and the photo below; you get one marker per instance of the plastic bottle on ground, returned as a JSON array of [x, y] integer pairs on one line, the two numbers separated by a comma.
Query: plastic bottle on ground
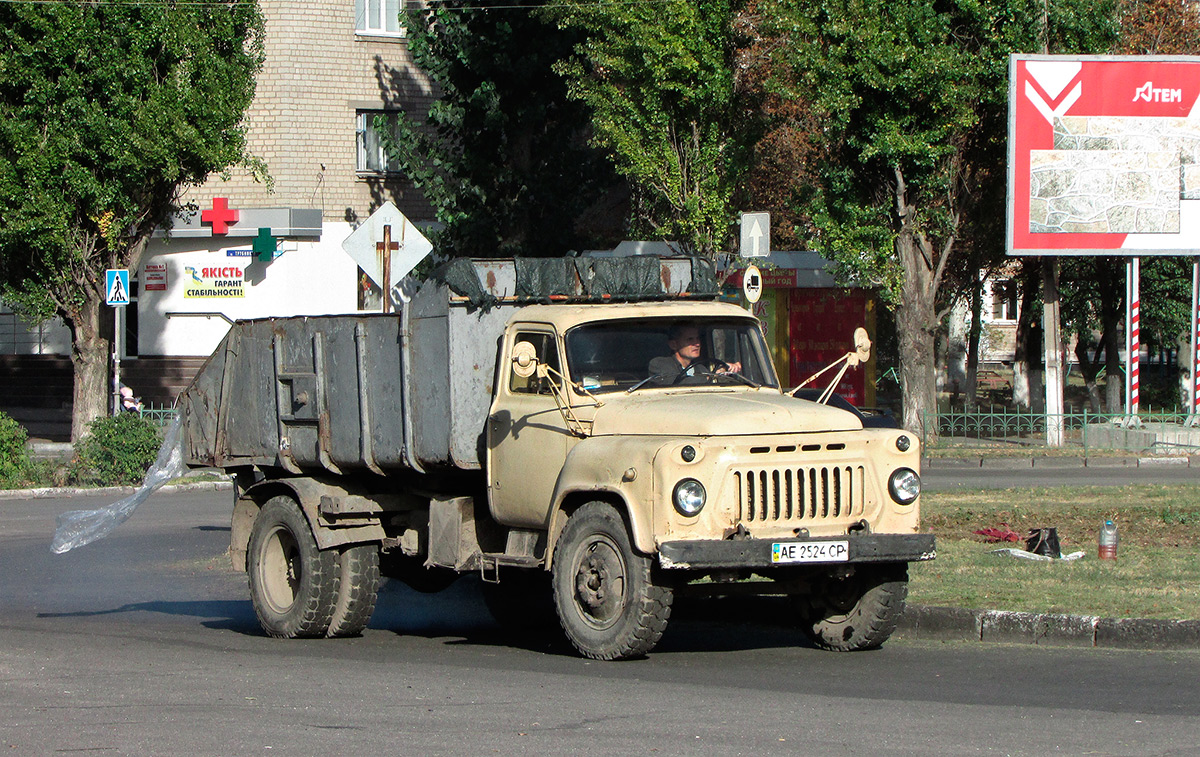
[[1108, 541]]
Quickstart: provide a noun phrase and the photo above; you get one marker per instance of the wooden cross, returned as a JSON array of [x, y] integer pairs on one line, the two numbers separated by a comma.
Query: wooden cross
[[385, 249]]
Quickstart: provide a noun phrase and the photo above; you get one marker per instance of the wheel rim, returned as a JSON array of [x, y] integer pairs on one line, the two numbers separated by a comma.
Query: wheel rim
[[279, 570], [601, 577]]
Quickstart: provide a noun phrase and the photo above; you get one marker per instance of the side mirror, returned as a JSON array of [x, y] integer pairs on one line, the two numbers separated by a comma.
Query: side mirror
[[862, 345], [524, 359]]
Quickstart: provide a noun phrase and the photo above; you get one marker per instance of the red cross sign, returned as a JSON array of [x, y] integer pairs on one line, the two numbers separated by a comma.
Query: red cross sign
[[220, 216]]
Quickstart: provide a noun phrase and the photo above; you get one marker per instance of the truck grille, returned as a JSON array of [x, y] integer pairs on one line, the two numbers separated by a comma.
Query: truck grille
[[815, 493]]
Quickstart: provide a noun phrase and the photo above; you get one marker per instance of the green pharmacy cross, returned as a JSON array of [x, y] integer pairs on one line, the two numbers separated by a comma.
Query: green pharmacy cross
[[265, 246]]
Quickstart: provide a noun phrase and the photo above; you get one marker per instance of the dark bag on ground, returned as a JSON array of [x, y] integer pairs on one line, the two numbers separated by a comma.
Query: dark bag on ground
[[1043, 541]]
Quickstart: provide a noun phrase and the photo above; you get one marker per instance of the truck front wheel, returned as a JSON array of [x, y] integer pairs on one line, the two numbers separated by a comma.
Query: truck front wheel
[[855, 612], [293, 584], [607, 600]]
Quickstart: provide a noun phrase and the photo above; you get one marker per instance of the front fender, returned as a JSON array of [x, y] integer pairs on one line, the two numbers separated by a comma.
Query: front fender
[[617, 469]]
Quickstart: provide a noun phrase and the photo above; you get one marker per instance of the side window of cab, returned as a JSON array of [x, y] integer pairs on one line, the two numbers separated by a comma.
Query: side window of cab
[[546, 349]]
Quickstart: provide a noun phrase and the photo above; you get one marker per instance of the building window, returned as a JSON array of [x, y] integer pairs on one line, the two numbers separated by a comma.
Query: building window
[[372, 157], [1004, 300], [378, 17]]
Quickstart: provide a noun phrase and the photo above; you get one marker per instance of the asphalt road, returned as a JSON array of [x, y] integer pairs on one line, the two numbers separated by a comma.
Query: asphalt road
[[145, 643]]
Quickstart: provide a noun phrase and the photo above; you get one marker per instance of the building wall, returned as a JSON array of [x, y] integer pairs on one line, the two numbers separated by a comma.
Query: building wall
[[302, 123], [308, 278]]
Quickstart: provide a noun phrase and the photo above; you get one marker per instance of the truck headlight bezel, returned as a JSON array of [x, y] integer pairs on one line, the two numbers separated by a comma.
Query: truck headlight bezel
[[689, 497], [904, 485]]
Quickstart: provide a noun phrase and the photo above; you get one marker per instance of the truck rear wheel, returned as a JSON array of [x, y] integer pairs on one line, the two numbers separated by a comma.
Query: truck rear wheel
[[607, 600], [855, 612], [293, 584], [358, 587]]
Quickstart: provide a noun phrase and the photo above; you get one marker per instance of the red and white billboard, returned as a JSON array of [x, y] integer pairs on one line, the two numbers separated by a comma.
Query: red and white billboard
[[1103, 155]]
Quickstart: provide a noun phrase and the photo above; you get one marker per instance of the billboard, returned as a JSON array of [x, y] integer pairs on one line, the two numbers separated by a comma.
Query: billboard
[[1103, 155]]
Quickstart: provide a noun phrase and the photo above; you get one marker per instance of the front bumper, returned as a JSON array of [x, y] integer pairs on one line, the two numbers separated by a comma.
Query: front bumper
[[756, 553]]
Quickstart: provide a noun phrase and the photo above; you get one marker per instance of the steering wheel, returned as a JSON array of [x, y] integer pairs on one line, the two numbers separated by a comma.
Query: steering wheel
[[701, 368]]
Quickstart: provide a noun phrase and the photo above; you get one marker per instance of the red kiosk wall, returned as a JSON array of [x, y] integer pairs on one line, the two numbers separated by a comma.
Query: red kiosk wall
[[821, 324]]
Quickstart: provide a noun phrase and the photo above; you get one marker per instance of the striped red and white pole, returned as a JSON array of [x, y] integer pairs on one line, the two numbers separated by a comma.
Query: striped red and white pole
[[1196, 336], [1133, 338]]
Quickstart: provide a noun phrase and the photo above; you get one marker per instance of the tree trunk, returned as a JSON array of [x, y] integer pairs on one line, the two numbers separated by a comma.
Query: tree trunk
[[973, 342], [916, 325], [1031, 283], [1110, 284], [89, 354]]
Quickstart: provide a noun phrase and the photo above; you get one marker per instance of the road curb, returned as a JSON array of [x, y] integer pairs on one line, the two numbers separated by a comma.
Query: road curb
[[109, 491], [1050, 462], [1046, 629]]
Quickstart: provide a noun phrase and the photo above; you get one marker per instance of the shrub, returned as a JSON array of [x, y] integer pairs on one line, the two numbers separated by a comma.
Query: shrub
[[15, 465], [119, 450]]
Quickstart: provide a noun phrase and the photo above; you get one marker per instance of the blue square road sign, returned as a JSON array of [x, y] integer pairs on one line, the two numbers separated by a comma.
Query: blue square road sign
[[116, 286]]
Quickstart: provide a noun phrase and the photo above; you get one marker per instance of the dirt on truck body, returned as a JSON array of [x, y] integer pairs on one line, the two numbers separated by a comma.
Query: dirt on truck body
[[566, 448]]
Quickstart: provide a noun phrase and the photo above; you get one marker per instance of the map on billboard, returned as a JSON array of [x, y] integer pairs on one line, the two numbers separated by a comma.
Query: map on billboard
[[1103, 155]]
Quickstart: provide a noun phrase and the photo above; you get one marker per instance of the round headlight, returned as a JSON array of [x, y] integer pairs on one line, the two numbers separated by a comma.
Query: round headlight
[[688, 453], [903, 443], [904, 486], [689, 497]]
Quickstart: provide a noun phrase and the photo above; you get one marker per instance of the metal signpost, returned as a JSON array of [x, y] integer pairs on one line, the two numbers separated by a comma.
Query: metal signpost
[[1103, 159], [116, 294]]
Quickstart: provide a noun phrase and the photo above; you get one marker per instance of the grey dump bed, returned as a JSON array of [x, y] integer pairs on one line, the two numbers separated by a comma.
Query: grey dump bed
[[345, 393], [384, 392]]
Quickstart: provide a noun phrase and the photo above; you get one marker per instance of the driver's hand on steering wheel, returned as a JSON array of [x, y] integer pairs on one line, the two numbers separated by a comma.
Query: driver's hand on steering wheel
[[723, 367]]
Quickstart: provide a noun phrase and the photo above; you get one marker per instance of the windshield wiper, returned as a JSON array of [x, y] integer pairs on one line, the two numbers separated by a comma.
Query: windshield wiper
[[748, 382], [643, 382]]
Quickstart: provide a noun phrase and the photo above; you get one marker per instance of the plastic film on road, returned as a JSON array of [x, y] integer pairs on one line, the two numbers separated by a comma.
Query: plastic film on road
[[79, 527]]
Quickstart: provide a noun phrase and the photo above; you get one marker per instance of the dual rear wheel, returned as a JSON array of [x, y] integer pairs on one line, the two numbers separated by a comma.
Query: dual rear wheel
[[301, 591]]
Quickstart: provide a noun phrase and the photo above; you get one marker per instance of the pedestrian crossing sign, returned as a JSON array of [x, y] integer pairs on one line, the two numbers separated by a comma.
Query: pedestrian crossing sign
[[116, 286]]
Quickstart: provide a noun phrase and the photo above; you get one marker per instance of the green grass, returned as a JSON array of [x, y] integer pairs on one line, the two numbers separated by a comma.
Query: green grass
[[1156, 574]]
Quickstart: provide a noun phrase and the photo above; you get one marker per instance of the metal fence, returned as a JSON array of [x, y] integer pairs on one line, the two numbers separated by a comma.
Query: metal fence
[[1150, 432], [160, 415]]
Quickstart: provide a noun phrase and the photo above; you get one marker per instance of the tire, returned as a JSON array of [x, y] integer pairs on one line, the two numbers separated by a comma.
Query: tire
[[293, 584], [358, 587], [523, 600], [857, 612], [607, 600]]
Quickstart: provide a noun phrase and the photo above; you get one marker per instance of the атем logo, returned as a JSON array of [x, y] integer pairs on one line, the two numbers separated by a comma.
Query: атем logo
[[1153, 94]]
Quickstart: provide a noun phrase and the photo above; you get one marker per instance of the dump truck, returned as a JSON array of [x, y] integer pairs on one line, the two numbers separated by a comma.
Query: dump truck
[[506, 422]]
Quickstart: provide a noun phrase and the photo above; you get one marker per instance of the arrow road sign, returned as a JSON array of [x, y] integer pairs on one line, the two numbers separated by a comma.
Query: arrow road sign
[[756, 235], [116, 286]]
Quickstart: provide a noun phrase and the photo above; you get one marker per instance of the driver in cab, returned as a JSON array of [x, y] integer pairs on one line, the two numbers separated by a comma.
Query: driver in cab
[[685, 365]]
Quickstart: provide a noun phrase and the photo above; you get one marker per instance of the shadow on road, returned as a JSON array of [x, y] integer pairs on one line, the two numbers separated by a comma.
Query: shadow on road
[[459, 616]]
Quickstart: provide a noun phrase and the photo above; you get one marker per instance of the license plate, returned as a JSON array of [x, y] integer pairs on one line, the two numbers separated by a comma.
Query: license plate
[[818, 551]]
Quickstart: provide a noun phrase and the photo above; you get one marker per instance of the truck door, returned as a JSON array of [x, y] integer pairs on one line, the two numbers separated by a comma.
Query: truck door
[[527, 437]]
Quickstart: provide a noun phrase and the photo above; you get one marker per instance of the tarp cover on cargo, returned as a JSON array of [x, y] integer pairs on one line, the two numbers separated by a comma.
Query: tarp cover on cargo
[[577, 278]]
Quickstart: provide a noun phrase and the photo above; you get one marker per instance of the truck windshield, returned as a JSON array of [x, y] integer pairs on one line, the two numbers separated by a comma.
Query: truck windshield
[[621, 355]]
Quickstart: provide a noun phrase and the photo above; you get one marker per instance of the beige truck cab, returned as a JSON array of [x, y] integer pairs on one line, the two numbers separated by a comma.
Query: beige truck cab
[[648, 474]]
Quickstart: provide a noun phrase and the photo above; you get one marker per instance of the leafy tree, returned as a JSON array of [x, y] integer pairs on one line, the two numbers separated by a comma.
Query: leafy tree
[[1158, 27], [658, 81], [503, 154], [108, 110], [898, 107]]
